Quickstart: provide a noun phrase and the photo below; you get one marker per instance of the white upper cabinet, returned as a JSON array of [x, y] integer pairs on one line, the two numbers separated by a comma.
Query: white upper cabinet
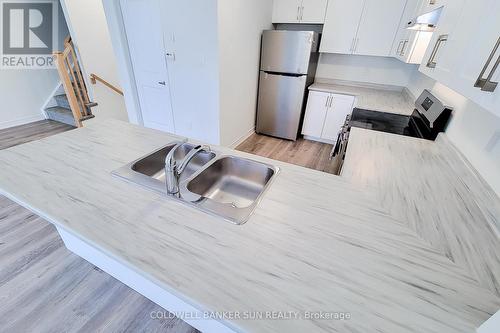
[[410, 45], [341, 25], [378, 27], [464, 53], [299, 11], [429, 5], [364, 27], [313, 11]]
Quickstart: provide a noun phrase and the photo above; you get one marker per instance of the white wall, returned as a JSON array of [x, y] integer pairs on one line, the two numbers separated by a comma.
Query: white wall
[[473, 130], [23, 94], [240, 28], [89, 30], [378, 70]]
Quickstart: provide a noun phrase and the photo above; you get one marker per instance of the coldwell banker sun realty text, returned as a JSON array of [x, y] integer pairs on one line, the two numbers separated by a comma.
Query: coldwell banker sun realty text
[[29, 34]]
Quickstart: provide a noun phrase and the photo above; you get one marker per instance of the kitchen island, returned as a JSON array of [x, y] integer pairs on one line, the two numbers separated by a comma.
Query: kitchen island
[[319, 254]]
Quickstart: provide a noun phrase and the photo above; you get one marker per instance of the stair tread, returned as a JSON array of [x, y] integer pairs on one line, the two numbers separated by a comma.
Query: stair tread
[[60, 109]]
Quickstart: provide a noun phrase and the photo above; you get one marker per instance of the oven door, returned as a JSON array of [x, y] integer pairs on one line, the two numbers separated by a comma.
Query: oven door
[[339, 150]]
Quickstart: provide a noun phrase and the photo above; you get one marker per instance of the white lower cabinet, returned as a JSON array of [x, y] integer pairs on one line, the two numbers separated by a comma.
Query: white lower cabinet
[[325, 115]]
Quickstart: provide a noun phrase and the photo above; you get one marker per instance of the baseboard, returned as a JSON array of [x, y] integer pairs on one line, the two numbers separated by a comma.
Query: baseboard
[[313, 138], [21, 121], [241, 139]]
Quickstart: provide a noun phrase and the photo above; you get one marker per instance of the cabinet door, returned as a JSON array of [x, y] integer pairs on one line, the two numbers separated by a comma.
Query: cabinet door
[[410, 11], [339, 107], [441, 55], [378, 27], [286, 11], [341, 24], [430, 5], [474, 46], [314, 119], [313, 11]]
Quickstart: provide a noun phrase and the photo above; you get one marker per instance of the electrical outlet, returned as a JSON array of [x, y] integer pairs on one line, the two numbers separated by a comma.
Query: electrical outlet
[[495, 138]]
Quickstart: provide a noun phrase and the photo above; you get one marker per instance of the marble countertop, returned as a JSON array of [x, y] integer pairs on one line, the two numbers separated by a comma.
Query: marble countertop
[[316, 242], [377, 99], [434, 190]]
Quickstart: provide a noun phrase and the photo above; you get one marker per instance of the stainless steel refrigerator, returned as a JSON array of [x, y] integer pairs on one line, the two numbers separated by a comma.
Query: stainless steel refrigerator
[[287, 67]]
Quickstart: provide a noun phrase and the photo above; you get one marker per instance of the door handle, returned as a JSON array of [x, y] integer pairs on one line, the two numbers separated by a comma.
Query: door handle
[[485, 83], [162, 83]]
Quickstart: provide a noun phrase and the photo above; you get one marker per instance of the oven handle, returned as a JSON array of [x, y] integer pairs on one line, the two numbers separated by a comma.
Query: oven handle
[[341, 137]]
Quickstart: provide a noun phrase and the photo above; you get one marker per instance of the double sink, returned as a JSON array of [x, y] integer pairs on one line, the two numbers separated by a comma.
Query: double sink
[[224, 185]]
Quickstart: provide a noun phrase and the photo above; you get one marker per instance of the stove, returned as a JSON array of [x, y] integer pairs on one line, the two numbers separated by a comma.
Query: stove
[[429, 118]]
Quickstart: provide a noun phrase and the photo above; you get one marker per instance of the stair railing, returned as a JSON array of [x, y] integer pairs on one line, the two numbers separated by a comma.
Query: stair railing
[[72, 81], [94, 78]]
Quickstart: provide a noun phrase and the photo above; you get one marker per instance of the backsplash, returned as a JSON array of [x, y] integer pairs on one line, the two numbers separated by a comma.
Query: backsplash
[[375, 70]]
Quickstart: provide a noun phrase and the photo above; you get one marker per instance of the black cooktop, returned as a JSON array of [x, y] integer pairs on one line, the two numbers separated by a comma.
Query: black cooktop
[[416, 125], [383, 122]]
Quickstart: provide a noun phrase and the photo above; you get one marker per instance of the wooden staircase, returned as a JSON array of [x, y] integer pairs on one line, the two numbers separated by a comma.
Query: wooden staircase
[[74, 106]]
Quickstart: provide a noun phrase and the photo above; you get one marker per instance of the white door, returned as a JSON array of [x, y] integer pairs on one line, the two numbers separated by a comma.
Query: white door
[[339, 107], [317, 104], [341, 24], [378, 27], [286, 11], [313, 11], [148, 62]]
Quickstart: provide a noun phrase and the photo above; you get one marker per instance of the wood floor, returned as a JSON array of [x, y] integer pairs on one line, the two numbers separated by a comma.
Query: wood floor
[[34, 131], [309, 154], [46, 288]]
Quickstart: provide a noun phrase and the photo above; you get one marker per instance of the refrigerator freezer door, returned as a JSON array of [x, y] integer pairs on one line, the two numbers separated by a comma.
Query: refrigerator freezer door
[[280, 105], [287, 51]]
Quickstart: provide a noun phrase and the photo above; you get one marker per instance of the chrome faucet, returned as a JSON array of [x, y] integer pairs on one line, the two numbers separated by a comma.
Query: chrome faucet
[[174, 171]]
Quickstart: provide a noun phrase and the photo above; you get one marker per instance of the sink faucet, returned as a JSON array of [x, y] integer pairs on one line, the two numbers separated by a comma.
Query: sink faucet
[[174, 171]]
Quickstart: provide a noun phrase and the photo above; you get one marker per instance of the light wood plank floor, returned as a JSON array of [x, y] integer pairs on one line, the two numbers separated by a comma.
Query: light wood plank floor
[[29, 132], [306, 153], [46, 288]]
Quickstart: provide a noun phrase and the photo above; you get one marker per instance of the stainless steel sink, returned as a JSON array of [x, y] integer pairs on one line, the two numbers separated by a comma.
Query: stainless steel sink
[[231, 180], [227, 186], [149, 171]]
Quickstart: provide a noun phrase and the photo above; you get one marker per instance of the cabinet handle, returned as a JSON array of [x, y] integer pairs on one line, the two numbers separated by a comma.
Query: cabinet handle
[[398, 50], [432, 60], [301, 13], [351, 49], [298, 13], [162, 83], [356, 44], [485, 83], [331, 102], [403, 49], [327, 100]]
